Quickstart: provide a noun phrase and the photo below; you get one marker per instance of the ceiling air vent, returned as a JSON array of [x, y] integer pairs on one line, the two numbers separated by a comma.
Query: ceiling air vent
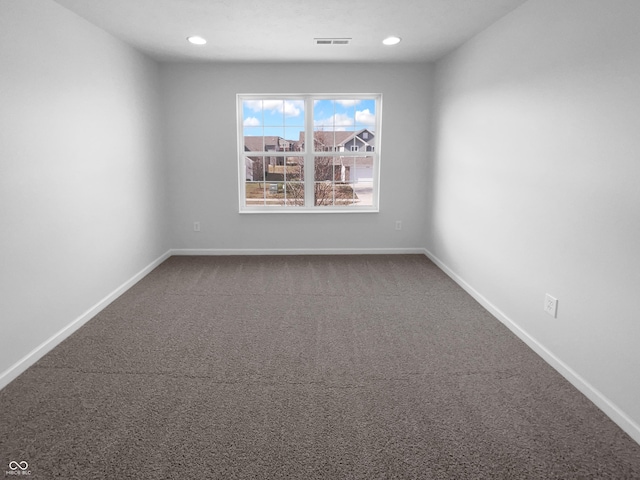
[[332, 41]]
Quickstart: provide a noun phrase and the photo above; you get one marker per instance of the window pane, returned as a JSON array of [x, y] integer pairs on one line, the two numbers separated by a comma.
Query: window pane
[[294, 113], [273, 138], [284, 168], [361, 177], [344, 194], [254, 168], [327, 170], [323, 194], [252, 113], [254, 193], [345, 140], [323, 111], [294, 169], [323, 140], [343, 180], [347, 168], [254, 181], [294, 137], [253, 139], [365, 114], [324, 168], [273, 112], [274, 193], [323, 125], [344, 114], [294, 193]]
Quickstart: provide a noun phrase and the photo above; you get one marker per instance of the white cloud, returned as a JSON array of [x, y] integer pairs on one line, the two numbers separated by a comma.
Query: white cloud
[[337, 122], [341, 119], [347, 103], [251, 122], [291, 108], [255, 105], [365, 117]]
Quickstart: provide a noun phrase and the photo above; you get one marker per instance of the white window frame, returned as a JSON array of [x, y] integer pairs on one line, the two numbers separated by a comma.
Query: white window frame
[[308, 154]]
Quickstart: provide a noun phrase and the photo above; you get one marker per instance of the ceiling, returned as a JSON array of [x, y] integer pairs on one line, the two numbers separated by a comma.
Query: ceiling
[[284, 30]]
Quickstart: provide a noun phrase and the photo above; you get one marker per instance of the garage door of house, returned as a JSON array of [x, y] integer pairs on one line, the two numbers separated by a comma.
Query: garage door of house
[[364, 174]]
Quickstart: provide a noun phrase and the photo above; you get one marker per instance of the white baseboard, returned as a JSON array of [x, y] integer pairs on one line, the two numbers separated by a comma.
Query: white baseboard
[[295, 251], [602, 402], [37, 353]]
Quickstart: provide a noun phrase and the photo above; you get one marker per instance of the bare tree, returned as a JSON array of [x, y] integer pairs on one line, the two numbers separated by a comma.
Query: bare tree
[[327, 187], [293, 182], [327, 173]]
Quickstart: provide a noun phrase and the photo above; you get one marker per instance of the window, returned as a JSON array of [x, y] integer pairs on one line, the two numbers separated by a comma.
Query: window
[[309, 153]]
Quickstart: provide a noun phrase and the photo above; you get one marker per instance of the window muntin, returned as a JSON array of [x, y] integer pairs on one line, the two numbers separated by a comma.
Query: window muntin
[[342, 158]]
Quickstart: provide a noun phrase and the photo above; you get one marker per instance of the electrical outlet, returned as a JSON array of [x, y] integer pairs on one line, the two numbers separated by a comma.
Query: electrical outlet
[[551, 305], [196, 226], [398, 224]]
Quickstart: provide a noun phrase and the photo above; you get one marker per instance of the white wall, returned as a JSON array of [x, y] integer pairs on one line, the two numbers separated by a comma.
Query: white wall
[[535, 183], [81, 178], [200, 116]]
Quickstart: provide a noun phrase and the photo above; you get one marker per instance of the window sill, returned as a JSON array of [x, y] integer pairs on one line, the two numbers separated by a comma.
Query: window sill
[[293, 210]]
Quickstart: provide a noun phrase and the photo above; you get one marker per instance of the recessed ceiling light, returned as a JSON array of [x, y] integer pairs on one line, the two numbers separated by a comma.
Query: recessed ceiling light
[[196, 40], [391, 40]]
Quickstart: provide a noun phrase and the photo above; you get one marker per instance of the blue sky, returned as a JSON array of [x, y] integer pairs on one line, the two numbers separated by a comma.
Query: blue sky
[[285, 118]]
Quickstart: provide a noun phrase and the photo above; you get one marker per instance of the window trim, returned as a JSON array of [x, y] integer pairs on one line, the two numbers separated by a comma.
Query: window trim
[[308, 155]]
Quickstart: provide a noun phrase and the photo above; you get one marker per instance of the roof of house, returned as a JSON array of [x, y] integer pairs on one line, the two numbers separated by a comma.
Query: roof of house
[[254, 143], [340, 137]]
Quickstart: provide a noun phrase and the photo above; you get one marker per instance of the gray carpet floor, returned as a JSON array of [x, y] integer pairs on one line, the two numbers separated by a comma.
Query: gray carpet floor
[[303, 367]]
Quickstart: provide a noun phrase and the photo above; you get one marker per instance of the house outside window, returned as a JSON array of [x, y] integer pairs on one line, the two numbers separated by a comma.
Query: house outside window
[[280, 170]]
